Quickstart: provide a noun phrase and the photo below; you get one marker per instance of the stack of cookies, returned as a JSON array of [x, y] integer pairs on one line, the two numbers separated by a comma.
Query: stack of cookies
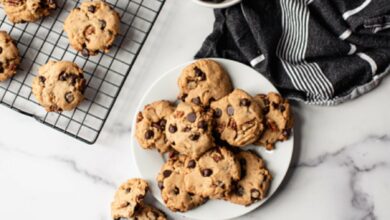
[[59, 85], [205, 135]]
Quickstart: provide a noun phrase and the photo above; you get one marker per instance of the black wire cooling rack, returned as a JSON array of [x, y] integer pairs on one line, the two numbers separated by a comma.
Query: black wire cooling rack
[[45, 40]]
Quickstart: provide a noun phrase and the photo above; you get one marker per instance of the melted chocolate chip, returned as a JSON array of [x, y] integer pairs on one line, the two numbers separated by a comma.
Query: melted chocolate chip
[[275, 105], [92, 8], [186, 129], [245, 102], [265, 110], [230, 110], [69, 97], [162, 123], [196, 101], [191, 117], [63, 76], [282, 108], [103, 24], [217, 112], [149, 134], [176, 190], [240, 191], [42, 79], [202, 125], [207, 172], [255, 194], [194, 137], [1, 68], [199, 73], [1, 50], [172, 128], [128, 190], [160, 185], [167, 173], [191, 164]]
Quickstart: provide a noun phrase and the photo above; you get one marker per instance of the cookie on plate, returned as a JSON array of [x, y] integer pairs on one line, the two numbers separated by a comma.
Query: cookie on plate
[[171, 183], [150, 125], [278, 119], [204, 81], [59, 86], [148, 212], [188, 130], [255, 180], [238, 118], [9, 56], [92, 27], [213, 174], [129, 198], [19, 11]]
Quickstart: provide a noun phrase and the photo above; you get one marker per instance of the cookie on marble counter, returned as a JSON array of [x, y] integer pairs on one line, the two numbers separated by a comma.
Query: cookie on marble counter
[[19, 11], [213, 174], [92, 27], [254, 182], [150, 125], [203, 81], [9, 56], [238, 118], [59, 86], [171, 183], [189, 130], [129, 199], [278, 119]]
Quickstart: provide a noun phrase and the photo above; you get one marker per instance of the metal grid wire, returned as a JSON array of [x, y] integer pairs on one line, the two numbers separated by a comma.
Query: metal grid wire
[[45, 40]]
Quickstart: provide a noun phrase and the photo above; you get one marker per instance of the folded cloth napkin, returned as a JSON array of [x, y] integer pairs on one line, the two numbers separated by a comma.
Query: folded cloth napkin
[[316, 51]]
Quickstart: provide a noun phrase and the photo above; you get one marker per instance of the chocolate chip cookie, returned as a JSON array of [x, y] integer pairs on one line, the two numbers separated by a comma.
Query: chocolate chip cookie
[[255, 180], [129, 198], [92, 27], [148, 212], [59, 86], [9, 56], [213, 174], [171, 182], [238, 118], [278, 119], [19, 11], [150, 126], [204, 81], [188, 130]]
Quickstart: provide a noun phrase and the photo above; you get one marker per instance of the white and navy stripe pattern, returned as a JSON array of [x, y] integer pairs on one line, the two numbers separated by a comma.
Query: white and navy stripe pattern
[[305, 76]]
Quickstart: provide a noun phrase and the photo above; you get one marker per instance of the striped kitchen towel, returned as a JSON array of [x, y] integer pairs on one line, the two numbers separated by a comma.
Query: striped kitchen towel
[[317, 51]]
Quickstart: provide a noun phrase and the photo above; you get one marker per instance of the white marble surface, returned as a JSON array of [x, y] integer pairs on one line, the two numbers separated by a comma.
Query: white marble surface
[[341, 168]]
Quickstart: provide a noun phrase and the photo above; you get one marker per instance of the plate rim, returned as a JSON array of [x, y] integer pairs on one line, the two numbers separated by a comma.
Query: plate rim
[[140, 106], [217, 5]]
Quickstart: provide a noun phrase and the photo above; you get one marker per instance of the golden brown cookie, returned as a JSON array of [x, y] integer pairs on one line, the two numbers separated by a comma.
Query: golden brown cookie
[[148, 212], [238, 118], [92, 27], [254, 182], [150, 125], [9, 56], [59, 86], [204, 81], [19, 11], [278, 119]]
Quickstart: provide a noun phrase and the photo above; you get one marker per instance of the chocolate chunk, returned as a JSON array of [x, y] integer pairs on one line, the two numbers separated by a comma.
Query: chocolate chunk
[[1, 50], [103, 24], [42, 79], [156, 125], [230, 110], [194, 136], [128, 190], [1, 68], [245, 102], [217, 113], [275, 105], [160, 185], [202, 125], [172, 128], [92, 8], [255, 194], [63, 76], [196, 101], [69, 97], [191, 117], [191, 164], [199, 73], [162, 123], [186, 129], [217, 157], [149, 134], [240, 191], [265, 110], [176, 190], [167, 173], [207, 172], [282, 108]]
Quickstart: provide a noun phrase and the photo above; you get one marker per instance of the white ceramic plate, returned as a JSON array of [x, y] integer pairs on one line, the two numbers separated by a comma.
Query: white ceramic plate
[[149, 162], [224, 4]]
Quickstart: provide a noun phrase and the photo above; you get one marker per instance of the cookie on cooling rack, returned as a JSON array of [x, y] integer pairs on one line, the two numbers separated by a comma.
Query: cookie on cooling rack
[[92, 27], [19, 11], [59, 86], [9, 56]]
